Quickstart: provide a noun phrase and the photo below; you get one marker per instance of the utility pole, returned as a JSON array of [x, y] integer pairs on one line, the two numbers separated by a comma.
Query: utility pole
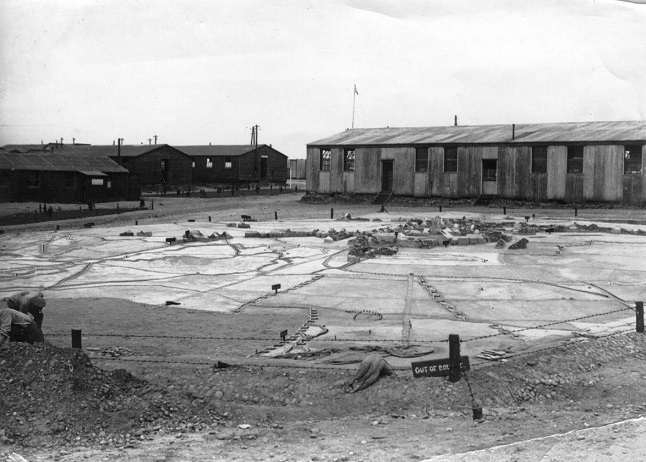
[[150, 141], [254, 142], [119, 141], [155, 136]]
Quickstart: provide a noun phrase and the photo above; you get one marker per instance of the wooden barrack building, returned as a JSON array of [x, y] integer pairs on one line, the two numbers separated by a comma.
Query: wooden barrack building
[[572, 162]]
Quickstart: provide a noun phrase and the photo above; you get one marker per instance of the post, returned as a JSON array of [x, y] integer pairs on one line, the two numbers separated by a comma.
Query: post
[[576, 211], [440, 208], [209, 217], [275, 215], [76, 338], [152, 205], [331, 213], [639, 306], [454, 357], [504, 210], [136, 222]]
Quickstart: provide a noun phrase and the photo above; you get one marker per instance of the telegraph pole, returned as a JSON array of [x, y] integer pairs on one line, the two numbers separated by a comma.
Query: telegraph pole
[[155, 136], [254, 142]]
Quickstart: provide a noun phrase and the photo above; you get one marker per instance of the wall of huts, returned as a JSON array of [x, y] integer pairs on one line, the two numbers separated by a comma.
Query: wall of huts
[[56, 178], [157, 164], [533, 168], [237, 164]]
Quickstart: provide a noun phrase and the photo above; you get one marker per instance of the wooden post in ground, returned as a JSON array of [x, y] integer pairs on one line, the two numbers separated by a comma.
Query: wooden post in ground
[[639, 306], [76, 338], [454, 357]]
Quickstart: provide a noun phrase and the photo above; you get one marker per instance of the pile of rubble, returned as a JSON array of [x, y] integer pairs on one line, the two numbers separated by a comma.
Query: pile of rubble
[[366, 246], [55, 397]]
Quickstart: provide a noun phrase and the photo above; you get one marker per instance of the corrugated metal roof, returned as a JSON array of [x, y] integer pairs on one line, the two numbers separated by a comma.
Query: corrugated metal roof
[[494, 134], [25, 147], [58, 162], [217, 150], [91, 173], [132, 150]]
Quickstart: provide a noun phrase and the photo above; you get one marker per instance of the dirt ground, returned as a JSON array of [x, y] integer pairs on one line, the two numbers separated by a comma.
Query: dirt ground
[[153, 396]]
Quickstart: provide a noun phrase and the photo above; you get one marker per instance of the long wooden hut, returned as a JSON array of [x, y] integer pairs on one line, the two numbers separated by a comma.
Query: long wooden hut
[[237, 164], [573, 162], [63, 178]]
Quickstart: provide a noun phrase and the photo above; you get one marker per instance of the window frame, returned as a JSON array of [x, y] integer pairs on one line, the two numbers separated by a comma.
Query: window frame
[[543, 162], [574, 161], [349, 156], [69, 181], [453, 150], [638, 148], [486, 177], [34, 180], [209, 163], [325, 163], [421, 165], [228, 163]]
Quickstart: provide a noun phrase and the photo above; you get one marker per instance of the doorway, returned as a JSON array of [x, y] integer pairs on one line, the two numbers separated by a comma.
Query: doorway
[[489, 177], [387, 175], [263, 168]]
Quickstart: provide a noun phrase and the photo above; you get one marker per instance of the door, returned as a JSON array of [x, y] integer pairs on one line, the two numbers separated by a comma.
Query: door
[[164, 171], [489, 176], [263, 168], [387, 175]]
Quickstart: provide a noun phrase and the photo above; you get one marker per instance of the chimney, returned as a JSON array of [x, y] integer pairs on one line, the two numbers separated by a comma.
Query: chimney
[[513, 131], [73, 140], [56, 144], [61, 141], [455, 121]]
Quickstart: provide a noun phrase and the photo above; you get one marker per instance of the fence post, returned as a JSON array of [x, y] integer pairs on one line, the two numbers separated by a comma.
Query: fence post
[[331, 213], [504, 210], [639, 306], [454, 357], [76, 338]]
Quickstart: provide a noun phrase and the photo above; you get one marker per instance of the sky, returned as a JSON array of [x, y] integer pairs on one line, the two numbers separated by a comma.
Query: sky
[[206, 71]]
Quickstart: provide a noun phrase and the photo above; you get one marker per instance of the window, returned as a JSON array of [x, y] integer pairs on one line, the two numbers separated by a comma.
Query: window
[[539, 159], [326, 155], [70, 180], [193, 164], [164, 162], [4, 179], [227, 162], [450, 160], [421, 160], [348, 159], [97, 181], [489, 169], [209, 163], [632, 159], [575, 159], [33, 180], [109, 184]]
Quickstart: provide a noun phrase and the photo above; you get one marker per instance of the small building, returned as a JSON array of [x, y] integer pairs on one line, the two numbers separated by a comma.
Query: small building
[[573, 162], [236, 164], [155, 164], [62, 178]]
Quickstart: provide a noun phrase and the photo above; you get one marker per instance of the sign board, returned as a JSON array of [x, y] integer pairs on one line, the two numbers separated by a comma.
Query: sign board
[[437, 367], [283, 334], [275, 287]]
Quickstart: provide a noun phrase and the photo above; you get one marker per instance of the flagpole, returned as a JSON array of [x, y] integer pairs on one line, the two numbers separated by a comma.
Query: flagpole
[[354, 97]]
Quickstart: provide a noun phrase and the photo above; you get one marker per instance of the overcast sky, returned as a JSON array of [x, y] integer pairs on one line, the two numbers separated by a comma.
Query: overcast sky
[[194, 72]]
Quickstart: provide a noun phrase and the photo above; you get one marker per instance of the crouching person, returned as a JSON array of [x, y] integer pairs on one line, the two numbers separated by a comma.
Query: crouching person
[[29, 303], [18, 327]]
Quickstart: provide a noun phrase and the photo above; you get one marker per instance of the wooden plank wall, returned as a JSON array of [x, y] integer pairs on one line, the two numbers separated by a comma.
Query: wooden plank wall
[[556, 168], [312, 169], [367, 170], [470, 171], [404, 171], [336, 171], [574, 187], [348, 182], [634, 184], [442, 184], [602, 173]]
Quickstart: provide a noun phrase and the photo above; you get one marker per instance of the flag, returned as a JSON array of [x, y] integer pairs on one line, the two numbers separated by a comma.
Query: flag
[[355, 90]]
